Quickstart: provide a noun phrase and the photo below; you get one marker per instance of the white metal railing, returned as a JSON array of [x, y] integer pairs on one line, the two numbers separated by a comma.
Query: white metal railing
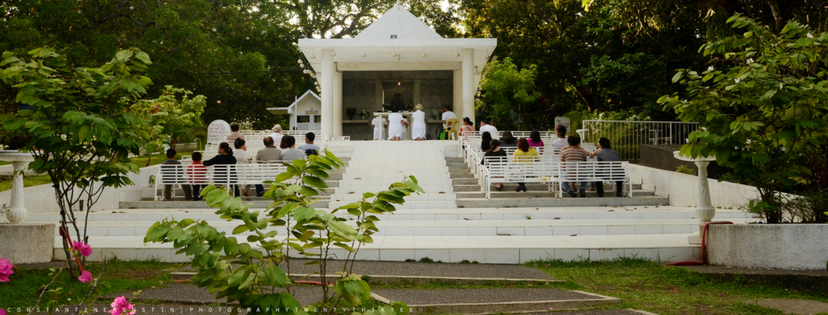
[[552, 172], [233, 174], [517, 134], [626, 137]]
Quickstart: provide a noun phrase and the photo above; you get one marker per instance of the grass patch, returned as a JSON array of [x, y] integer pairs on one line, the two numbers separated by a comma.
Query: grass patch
[[6, 181], [120, 276], [667, 290]]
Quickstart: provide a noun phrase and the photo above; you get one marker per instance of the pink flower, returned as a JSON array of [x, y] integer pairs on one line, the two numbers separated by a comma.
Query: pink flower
[[84, 249], [85, 277], [2, 311], [120, 306], [5, 270]]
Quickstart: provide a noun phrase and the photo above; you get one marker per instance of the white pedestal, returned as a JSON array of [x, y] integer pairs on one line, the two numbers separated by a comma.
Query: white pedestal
[[20, 160], [704, 210]]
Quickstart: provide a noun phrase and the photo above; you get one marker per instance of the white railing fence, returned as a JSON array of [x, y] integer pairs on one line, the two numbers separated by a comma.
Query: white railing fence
[[626, 137]]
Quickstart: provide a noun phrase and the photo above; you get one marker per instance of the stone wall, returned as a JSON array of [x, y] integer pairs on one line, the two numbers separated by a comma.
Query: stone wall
[[682, 189], [775, 246]]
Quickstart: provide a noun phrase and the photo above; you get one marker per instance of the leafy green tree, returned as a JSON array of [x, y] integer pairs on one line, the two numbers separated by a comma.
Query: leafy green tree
[[255, 276], [505, 91], [764, 111], [80, 125]]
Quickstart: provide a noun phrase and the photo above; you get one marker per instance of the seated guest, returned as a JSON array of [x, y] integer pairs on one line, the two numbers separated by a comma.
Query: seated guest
[[234, 133], [486, 141], [535, 139], [225, 173], [242, 158], [309, 147], [494, 151], [569, 156], [606, 153], [561, 142], [291, 152], [277, 134], [484, 126], [447, 114], [468, 125], [524, 154], [507, 139], [267, 155], [171, 172], [197, 175]]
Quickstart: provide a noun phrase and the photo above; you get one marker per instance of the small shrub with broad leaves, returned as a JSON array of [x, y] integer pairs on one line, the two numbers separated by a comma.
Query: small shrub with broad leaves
[[251, 267]]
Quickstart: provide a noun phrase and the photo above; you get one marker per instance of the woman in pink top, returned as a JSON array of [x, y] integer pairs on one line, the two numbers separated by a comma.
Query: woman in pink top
[[467, 126], [535, 139]]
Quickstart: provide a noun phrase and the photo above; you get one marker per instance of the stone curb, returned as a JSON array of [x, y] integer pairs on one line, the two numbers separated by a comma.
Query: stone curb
[[385, 279], [512, 307]]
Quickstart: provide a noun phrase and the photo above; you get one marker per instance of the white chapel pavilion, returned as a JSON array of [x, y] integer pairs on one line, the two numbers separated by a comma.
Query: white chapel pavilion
[[398, 56]]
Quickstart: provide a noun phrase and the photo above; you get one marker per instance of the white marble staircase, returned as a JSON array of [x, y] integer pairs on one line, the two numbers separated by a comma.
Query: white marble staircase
[[433, 225], [374, 165]]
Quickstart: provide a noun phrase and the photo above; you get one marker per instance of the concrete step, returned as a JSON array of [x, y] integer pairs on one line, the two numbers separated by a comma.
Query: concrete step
[[561, 202], [633, 213], [466, 188], [464, 181], [483, 249], [523, 227], [257, 202], [509, 192], [530, 187]]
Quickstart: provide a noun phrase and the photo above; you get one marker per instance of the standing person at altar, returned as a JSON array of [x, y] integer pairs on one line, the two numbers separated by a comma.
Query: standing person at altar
[[418, 124], [379, 124], [396, 126]]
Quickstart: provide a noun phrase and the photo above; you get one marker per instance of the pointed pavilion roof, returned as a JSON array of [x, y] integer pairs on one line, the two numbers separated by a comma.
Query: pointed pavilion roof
[[415, 47], [400, 23]]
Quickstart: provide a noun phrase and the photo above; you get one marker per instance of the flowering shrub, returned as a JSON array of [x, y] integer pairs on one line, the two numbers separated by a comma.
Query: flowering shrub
[[84, 249], [120, 306], [85, 277], [5, 270]]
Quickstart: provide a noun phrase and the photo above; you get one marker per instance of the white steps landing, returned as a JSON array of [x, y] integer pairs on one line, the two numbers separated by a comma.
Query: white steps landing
[[374, 165], [485, 235]]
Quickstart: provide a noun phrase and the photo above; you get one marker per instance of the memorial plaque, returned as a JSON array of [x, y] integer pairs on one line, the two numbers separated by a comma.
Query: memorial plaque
[[217, 131]]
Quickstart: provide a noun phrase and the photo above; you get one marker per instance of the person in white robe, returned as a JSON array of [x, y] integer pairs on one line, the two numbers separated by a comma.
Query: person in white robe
[[418, 124], [379, 124], [396, 126]]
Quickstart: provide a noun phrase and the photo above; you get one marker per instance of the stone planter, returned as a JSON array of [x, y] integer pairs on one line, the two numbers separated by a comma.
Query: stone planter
[[27, 243], [775, 246]]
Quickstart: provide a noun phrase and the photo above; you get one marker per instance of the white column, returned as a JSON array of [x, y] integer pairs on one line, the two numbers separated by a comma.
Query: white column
[[337, 103], [17, 211], [416, 93], [326, 84], [467, 67], [457, 103]]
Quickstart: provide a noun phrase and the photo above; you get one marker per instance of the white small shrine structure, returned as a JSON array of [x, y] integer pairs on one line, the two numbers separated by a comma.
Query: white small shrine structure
[[398, 56], [304, 112]]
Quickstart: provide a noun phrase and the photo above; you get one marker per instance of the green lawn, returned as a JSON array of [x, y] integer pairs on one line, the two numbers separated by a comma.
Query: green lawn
[[120, 276], [669, 290], [639, 284]]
